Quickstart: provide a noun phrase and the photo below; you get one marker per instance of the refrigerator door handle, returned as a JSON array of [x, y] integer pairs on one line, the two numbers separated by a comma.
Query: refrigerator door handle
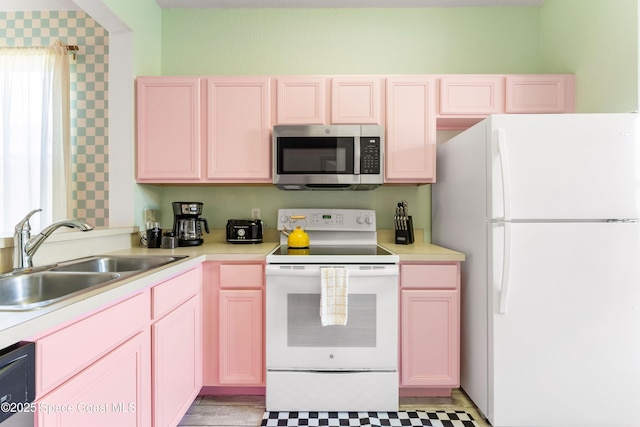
[[501, 136], [506, 266]]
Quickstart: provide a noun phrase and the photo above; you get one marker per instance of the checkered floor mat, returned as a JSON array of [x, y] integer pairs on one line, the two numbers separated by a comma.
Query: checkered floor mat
[[373, 419]]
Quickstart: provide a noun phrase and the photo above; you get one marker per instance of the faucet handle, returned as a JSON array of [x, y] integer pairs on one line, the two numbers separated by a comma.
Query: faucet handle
[[24, 223]]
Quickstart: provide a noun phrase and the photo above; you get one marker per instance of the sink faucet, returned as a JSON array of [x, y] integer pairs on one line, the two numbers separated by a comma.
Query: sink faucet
[[25, 246]]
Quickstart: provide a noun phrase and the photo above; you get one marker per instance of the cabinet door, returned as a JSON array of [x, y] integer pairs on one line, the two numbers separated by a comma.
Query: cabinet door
[[56, 363], [540, 94], [471, 95], [411, 131], [114, 391], [355, 100], [430, 335], [169, 129], [241, 331], [238, 134], [301, 100], [177, 362]]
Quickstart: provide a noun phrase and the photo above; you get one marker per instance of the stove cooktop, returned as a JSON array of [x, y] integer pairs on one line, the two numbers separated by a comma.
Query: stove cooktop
[[342, 254], [332, 250]]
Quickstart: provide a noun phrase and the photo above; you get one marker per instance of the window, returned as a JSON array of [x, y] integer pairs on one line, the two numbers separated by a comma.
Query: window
[[34, 135]]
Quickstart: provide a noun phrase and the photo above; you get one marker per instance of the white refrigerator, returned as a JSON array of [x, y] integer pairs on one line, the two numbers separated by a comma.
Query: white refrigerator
[[546, 209]]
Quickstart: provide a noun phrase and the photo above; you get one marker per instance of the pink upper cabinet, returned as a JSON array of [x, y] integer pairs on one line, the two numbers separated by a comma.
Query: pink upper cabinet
[[305, 100], [471, 94], [238, 130], [169, 129], [355, 100], [411, 130], [540, 93], [301, 100]]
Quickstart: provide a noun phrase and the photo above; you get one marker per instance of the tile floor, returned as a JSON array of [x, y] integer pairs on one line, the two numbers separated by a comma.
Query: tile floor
[[242, 411]]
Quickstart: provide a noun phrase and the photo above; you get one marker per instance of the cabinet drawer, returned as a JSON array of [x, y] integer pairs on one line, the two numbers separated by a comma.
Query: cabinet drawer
[[241, 275], [429, 276], [170, 294], [67, 351]]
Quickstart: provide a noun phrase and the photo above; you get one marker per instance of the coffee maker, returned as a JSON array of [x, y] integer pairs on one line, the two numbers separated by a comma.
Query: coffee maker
[[187, 223]]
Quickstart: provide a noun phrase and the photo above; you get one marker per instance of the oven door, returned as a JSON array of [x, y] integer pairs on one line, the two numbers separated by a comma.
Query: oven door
[[296, 339]]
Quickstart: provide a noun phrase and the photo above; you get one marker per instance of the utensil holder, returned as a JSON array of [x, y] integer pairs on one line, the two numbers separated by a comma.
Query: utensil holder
[[404, 235]]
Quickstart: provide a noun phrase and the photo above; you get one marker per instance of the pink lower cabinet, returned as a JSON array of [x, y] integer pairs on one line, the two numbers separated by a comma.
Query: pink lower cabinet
[[430, 328], [110, 392], [96, 371], [177, 346], [234, 324]]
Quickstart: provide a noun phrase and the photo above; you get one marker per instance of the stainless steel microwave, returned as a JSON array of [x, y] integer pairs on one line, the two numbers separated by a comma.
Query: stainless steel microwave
[[334, 157]]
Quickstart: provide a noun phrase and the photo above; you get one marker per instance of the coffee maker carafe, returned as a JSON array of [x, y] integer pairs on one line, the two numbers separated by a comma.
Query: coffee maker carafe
[[187, 223]]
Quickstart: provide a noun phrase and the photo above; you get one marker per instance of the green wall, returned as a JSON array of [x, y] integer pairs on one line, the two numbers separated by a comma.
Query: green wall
[[598, 41], [144, 18], [350, 41]]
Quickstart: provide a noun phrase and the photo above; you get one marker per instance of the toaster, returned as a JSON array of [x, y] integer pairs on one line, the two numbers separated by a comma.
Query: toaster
[[244, 231]]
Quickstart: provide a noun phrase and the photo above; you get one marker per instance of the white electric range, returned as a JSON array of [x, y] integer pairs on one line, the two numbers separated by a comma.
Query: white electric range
[[352, 367]]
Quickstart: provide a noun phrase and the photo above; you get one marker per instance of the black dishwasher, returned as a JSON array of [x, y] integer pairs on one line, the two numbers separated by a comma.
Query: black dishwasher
[[17, 385]]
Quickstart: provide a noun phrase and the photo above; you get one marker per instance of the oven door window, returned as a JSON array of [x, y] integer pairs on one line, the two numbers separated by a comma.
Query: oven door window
[[317, 155], [304, 328]]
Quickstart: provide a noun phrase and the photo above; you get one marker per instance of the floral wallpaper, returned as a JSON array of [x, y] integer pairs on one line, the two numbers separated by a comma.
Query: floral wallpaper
[[89, 100]]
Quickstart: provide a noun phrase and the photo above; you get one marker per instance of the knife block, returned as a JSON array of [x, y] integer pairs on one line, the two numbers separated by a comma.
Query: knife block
[[405, 236]]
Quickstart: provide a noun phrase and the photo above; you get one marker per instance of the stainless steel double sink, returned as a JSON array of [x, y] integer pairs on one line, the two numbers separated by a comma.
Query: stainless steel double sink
[[39, 287]]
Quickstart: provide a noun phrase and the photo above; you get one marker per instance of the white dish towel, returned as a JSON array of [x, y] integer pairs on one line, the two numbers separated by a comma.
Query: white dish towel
[[334, 282]]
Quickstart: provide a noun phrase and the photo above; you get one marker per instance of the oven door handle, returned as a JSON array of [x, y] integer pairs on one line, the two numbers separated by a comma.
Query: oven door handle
[[314, 270]]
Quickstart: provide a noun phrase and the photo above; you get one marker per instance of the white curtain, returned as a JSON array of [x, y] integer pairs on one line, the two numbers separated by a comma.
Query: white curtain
[[34, 135]]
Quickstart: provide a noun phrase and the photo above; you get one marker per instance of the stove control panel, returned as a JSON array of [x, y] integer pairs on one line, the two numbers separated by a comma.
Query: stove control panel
[[327, 219]]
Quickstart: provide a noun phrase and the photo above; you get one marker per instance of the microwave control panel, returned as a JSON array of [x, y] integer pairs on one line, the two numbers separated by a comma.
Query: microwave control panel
[[370, 155]]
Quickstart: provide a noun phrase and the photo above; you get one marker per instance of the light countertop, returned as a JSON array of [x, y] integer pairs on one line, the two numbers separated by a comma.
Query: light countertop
[[24, 325]]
